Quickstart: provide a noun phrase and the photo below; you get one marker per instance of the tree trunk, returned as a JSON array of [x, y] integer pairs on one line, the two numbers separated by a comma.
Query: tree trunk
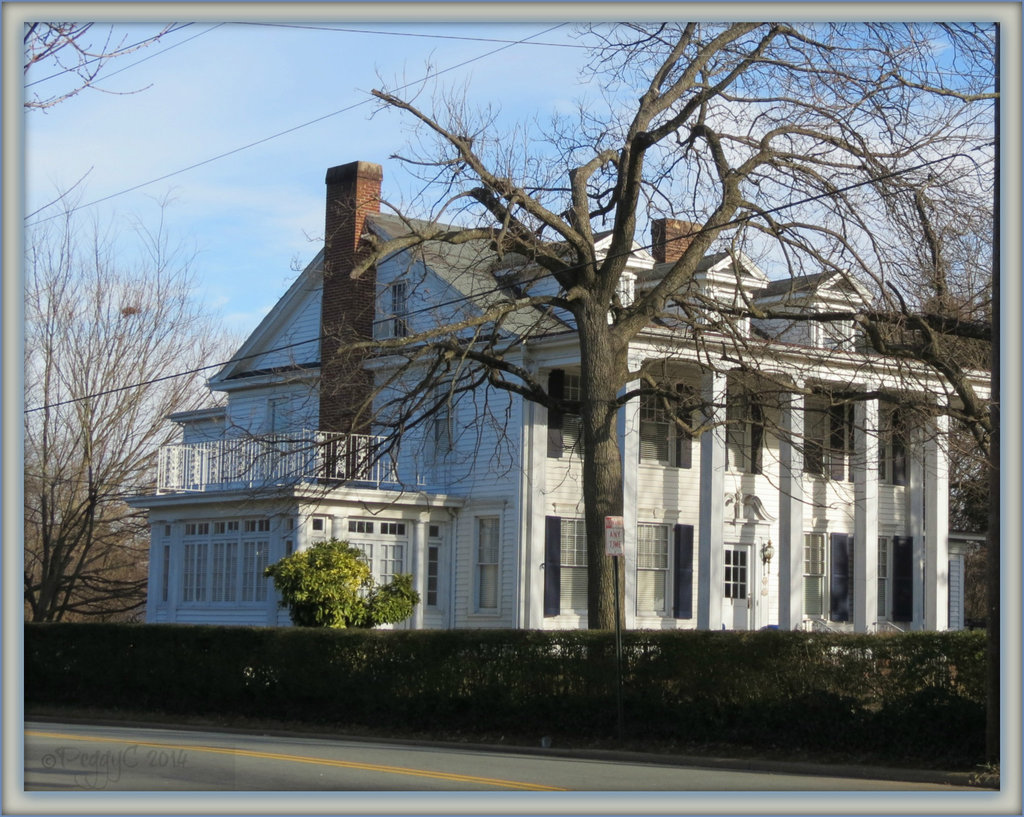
[[603, 367]]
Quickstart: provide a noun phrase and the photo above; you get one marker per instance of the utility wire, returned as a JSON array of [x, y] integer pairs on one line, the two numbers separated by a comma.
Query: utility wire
[[499, 288], [126, 49], [285, 132], [415, 34]]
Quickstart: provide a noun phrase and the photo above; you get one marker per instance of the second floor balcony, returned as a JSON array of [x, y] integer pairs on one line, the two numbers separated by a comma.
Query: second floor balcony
[[252, 462]]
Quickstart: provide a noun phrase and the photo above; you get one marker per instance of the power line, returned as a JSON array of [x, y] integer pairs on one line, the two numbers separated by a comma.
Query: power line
[[500, 287], [126, 50], [162, 378], [285, 132], [463, 38]]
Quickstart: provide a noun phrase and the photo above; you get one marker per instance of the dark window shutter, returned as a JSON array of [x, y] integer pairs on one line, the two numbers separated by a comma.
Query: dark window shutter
[[903, 578], [899, 450], [839, 577], [682, 606], [837, 442], [756, 435], [552, 565], [556, 390]]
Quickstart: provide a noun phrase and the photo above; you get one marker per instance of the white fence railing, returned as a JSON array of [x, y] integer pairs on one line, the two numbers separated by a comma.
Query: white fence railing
[[276, 459]]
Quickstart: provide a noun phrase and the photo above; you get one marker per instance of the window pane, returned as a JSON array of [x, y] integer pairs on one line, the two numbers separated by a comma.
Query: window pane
[[573, 569], [814, 575], [488, 576], [488, 587], [650, 591]]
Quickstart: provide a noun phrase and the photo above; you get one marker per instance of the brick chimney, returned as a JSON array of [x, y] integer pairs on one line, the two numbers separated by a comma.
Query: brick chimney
[[347, 309], [670, 238]]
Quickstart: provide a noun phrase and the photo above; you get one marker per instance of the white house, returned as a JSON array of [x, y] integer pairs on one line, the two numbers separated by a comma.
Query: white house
[[826, 517]]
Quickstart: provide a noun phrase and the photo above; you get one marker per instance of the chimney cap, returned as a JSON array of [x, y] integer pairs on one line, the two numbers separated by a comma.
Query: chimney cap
[[353, 170]]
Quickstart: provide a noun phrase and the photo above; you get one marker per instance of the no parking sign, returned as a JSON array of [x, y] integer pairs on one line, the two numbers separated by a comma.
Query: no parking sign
[[614, 533]]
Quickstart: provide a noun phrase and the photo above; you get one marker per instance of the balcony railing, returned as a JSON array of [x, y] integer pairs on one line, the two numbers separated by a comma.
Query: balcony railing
[[276, 459]]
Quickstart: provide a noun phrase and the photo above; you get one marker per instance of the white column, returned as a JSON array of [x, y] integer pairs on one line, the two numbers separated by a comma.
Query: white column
[[865, 515], [936, 526], [156, 570], [915, 520], [535, 452], [419, 567], [711, 559], [791, 512], [629, 442], [175, 571]]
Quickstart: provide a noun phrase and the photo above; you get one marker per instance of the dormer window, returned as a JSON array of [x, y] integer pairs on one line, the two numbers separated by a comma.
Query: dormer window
[[394, 305]]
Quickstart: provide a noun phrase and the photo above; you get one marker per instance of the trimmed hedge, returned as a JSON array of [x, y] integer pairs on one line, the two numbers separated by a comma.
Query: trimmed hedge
[[915, 697]]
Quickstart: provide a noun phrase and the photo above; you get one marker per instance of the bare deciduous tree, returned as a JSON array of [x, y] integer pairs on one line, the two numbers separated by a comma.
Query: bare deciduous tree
[[852, 150], [107, 334], [79, 52]]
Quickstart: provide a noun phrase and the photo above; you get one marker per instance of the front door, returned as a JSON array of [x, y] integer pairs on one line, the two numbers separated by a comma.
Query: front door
[[736, 601]]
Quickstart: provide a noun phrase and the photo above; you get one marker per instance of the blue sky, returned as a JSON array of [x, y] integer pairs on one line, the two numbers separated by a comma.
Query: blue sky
[[210, 89]]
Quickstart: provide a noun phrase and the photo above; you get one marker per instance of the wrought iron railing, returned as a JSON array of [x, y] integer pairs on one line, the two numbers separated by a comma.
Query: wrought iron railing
[[275, 459]]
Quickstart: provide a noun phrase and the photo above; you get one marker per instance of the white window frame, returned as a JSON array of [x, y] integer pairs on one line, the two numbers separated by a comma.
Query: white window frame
[[432, 584], [815, 571], [394, 308], [741, 427], [736, 583], [654, 566], [662, 441], [891, 441], [441, 422], [487, 593], [573, 566], [572, 428], [223, 571], [884, 604], [383, 548], [195, 571], [254, 558]]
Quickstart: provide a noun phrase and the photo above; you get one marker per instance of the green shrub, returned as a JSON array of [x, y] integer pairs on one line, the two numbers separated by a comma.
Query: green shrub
[[329, 584], [913, 698]]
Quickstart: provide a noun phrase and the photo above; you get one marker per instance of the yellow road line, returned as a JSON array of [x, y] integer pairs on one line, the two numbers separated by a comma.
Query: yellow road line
[[343, 764]]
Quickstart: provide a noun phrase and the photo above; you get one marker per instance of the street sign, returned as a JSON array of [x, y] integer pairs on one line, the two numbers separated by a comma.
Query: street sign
[[614, 533]]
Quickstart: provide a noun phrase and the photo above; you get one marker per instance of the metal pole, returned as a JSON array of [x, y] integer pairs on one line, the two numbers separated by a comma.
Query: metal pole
[[618, 648]]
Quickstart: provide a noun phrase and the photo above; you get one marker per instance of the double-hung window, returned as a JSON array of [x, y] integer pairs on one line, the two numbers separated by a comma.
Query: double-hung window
[[828, 439], [883, 577], [828, 576], [573, 568], [663, 440], [892, 447], [744, 432], [193, 576], [487, 565], [814, 575], [564, 431], [652, 569], [224, 586], [442, 421]]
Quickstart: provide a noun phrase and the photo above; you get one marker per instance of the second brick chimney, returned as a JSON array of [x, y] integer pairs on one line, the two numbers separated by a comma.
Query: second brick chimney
[[348, 305], [670, 238]]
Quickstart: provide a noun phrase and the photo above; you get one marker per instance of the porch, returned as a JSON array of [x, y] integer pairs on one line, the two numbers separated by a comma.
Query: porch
[[276, 459]]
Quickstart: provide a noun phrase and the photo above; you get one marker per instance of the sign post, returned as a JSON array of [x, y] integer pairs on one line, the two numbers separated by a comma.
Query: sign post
[[614, 534]]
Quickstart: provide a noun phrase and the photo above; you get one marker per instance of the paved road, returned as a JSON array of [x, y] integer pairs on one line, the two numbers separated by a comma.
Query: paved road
[[86, 758]]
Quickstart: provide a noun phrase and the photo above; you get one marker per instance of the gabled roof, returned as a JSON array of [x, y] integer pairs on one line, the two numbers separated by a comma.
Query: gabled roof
[[266, 337], [714, 262], [826, 285], [474, 271]]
